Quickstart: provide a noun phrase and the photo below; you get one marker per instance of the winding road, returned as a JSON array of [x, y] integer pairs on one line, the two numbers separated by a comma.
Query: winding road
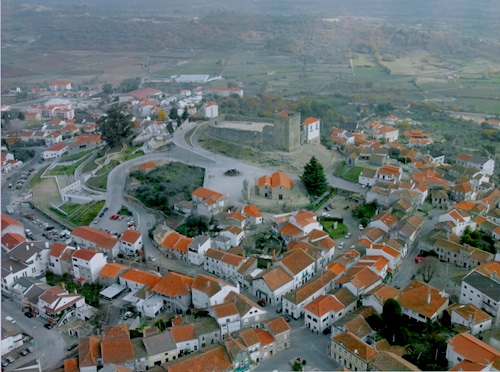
[[190, 153]]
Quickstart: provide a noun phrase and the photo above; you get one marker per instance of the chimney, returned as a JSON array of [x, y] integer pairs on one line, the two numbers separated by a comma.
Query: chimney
[[32, 244], [47, 244], [429, 296], [10, 268], [27, 247]]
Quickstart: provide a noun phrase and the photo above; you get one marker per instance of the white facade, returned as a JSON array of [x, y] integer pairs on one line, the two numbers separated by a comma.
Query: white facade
[[235, 234], [197, 249], [54, 153], [211, 109], [273, 297], [87, 264], [131, 242], [203, 300], [311, 129], [474, 326]]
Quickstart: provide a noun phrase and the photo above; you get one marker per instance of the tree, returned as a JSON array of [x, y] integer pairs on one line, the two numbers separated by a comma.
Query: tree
[[129, 85], [173, 114], [21, 116], [161, 115], [116, 125], [428, 268], [392, 316], [314, 178], [185, 114], [107, 89]]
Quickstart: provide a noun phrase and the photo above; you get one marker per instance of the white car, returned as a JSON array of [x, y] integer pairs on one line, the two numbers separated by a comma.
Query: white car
[[10, 319], [361, 227], [96, 220], [341, 245], [348, 235]]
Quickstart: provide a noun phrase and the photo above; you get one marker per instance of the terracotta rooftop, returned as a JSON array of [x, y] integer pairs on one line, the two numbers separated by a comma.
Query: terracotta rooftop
[[84, 254], [355, 346], [278, 326], [472, 349], [8, 221], [89, 351], [10, 240], [275, 278], [297, 261], [111, 270], [224, 310], [264, 336], [277, 179], [421, 298], [141, 277], [131, 236], [210, 359], [183, 333], [116, 346], [99, 238], [324, 304], [208, 284], [470, 312], [174, 284]]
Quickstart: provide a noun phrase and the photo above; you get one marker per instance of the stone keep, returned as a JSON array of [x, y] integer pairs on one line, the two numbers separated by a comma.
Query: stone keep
[[287, 131]]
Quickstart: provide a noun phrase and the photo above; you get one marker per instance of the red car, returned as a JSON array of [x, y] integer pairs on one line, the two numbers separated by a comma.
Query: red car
[[419, 259], [261, 303]]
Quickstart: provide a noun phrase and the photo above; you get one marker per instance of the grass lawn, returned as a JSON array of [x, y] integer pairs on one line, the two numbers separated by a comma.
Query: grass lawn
[[36, 178], [339, 232], [66, 170], [348, 173], [100, 180], [83, 214], [76, 156]]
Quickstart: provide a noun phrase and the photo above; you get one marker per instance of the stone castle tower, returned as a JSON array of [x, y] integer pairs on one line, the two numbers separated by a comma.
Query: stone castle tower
[[287, 131]]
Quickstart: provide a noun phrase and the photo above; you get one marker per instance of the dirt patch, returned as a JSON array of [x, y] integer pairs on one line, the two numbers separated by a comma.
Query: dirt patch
[[46, 193]]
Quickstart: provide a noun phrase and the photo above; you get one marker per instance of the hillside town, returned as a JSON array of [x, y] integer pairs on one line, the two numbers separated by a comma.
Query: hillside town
[[402, 237]]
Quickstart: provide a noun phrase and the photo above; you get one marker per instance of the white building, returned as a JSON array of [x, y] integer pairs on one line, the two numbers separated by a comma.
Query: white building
[[198, 248], [271, 285], [54, 151], [87, 263], [211, 109], [208, 291], [311, 129], [131, 242], [470, 317], [227, 317]]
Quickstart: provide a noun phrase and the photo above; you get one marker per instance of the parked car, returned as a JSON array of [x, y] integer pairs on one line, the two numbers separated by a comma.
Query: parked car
[[287, 318], [279, 310], [23, 352], [348, 235], [28, 314], [5, 363], [10, 319], [96, 220], [48, 325], [341, 245], [72, 346], [346, 207], [419, 259], [361, 227], [30, 349], [152, 258], [10, 359], [127, 315], [261, 303]]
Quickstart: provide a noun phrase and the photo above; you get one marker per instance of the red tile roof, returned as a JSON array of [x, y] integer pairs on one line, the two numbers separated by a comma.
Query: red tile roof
[[264, 336], [8, 221], [84, 254], [324, 304], [116, 346], [212, 358], [275, 180], [278, 326], [112, 270], [174, 284], [141, 277], [470, 348], [183, 333], [309, 121], [99, 238], [131, 236], [10, 240]]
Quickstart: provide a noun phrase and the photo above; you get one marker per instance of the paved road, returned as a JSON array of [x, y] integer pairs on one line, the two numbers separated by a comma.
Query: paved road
[[50, 345]]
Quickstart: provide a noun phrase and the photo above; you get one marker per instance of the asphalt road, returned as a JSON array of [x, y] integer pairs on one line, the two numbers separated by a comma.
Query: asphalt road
[[50, 345]]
